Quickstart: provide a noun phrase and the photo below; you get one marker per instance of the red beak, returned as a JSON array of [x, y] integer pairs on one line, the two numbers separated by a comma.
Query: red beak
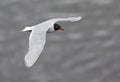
[[61, 29]]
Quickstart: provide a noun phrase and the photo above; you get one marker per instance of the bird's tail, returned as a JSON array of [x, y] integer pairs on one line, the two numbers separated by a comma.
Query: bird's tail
[[28, 29]]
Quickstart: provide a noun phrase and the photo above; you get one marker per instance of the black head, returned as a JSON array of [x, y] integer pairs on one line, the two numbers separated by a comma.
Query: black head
[[58, 27]]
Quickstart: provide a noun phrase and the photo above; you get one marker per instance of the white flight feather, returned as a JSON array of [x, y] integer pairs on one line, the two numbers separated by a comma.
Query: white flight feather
[[36, 44], [72, 19]]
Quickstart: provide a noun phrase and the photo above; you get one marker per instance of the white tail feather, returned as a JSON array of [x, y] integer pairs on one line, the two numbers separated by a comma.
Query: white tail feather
[[28, 29]]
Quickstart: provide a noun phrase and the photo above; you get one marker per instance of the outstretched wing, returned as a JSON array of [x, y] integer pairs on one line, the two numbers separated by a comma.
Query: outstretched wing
[[72, 19], [37, 41]]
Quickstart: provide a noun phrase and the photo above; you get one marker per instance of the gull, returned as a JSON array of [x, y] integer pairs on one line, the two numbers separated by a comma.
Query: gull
[[37, 37]]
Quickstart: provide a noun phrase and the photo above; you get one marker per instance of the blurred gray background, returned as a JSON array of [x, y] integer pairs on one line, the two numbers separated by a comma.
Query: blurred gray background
[[87, 51]]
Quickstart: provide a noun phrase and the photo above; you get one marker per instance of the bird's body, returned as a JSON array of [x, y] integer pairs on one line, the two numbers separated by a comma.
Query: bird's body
[[37, 37]]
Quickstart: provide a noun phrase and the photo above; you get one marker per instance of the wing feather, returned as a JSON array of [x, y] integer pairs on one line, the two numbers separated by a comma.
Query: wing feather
[[37, 41], [71, 19]]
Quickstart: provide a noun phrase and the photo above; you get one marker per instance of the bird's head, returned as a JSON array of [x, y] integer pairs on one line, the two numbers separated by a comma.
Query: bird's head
[[58, 27], [55, 27]]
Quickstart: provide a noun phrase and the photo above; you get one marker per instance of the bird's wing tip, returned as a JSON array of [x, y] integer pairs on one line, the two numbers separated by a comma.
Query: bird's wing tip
[[78, 18], [74, 19], [27, 62]]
